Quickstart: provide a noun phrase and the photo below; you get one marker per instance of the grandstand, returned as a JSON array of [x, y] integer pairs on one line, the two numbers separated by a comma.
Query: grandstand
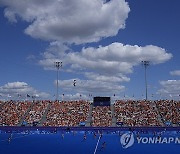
[[122, 113], [70, 113], [49, 126]]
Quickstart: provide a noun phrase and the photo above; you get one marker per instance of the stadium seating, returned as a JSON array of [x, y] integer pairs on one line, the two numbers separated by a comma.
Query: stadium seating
[[75, 113], [137, 113], [70, 113], [36, 112], [101, 116], [169, 111], [11, 112]]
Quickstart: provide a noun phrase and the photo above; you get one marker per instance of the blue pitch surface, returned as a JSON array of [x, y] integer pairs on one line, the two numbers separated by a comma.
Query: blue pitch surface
[[73, 142]]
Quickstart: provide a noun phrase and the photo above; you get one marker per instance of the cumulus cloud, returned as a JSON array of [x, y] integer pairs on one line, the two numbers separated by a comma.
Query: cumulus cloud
[[77, 22], [170, 88], [55, 52], [69, 21], [106, 78], [107, 66], [76, 96], [90, 87], [175, 73], [115, 59], [13, 89]]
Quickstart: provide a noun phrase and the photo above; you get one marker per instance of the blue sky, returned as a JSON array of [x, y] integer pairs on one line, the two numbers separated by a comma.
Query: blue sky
[[100, 44]]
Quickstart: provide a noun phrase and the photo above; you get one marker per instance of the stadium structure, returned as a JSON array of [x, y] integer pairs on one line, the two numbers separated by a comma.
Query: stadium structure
[[124, 121], [99, 113]]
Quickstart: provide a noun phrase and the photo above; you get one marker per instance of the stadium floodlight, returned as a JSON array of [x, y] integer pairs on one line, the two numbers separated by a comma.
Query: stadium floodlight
[[58, 65], [145, 64]]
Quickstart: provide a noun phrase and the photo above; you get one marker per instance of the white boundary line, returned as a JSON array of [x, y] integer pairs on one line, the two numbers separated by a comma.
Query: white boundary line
[[97, 144]]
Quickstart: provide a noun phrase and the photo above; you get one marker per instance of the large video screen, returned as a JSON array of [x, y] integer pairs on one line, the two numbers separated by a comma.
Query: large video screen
[[102, 101]]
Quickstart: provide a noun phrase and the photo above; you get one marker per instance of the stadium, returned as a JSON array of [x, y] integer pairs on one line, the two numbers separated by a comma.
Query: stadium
[[89, 77], [99, 123], [100, 113]]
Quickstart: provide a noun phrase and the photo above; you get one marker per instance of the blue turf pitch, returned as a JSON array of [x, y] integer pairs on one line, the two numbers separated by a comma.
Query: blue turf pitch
[[63, 142]]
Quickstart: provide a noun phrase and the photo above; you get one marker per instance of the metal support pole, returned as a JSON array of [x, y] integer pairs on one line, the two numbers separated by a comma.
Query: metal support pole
[[145, 63], [57, 88], [58, 65], [146, 82]]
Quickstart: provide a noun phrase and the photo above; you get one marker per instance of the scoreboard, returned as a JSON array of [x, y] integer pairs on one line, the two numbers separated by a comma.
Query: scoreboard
[[102, 101]]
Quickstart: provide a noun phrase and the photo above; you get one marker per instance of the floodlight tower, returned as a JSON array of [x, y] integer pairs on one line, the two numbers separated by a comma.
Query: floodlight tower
[[145, 64], [58, 65]]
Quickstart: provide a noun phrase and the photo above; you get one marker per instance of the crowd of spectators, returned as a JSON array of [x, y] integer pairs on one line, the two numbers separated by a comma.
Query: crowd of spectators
[[12, 112], [101, 116], [137, 113], [74, 113], [169, 111], [1, 103], [70, 113], [37, 111]]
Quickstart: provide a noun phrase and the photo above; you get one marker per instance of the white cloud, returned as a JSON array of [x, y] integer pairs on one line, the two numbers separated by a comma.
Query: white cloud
[[72, 21], [55, 52], [176, 72], [90, 86], [170, 88], [14, 88], [106, 78], [76, 96], [115, 59], [103, 68], [81, 21]]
